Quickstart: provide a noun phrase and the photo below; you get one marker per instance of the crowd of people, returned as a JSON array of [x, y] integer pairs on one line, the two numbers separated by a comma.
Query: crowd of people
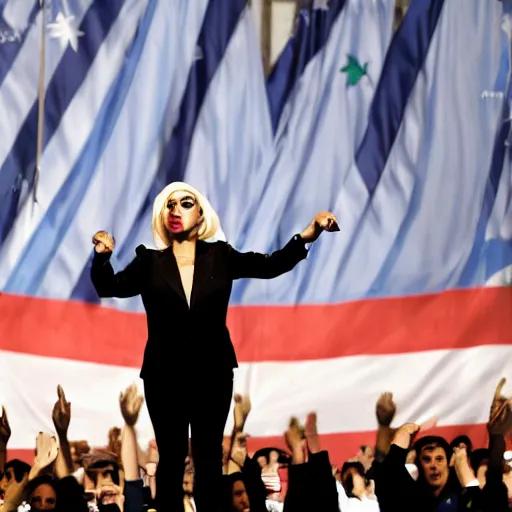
[[406, 470]]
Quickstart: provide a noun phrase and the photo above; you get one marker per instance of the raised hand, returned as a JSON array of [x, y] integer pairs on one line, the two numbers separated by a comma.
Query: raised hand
[[13, 496], [239, 449], [61, 414], [385, 409], [311, 433], [459, 456], [294, 436], [365, 456], [46, 453], [103, 242], [241, 410], [405, 435], [500, 417], [463, 469], [295, 440], [5, 429], [131, 402], [323, 221]]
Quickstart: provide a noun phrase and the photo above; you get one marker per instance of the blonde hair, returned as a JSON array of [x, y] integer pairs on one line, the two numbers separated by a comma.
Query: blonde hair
[[208, 227]]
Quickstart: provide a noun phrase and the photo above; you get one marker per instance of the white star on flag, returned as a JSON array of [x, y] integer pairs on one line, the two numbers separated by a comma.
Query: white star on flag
[[65, 30], [322, 5]]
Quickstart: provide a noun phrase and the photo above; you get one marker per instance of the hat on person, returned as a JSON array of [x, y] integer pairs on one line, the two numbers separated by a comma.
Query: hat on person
[[210, 224]]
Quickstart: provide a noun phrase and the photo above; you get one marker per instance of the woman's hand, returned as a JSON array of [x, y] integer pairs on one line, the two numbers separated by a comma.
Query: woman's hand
[[323, 221], [103, 242]]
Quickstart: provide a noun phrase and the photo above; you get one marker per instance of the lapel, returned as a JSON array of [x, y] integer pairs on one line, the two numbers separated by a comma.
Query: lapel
[[202, 271], [171, 272]]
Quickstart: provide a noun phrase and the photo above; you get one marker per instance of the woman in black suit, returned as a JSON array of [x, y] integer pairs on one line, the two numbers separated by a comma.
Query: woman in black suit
[[189, 358]]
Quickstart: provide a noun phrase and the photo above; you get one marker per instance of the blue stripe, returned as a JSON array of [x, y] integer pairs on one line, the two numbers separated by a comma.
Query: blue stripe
[[33, 265], [84, 289], [19, 166], [220, 21], [313, 30], [9, 50], [497, 256], [404, 61], [483, 252]]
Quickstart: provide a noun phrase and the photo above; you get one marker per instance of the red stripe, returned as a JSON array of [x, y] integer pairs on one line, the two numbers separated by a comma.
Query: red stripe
[[340, 446], [456, 319]]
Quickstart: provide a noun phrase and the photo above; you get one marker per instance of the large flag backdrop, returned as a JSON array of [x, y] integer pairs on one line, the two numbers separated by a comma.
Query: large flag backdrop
[[406, 141]]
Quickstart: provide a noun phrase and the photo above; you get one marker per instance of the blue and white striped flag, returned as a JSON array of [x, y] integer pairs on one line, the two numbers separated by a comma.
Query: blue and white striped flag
[[428, 153], [109, 111], [232, 143], [320, 94]]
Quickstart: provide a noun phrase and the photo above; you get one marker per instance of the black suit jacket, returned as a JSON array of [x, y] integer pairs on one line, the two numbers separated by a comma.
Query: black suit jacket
[[179, 334]]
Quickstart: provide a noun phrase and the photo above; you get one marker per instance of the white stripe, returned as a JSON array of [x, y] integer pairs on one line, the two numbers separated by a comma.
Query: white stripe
[[343, 391], [75, 127], [16, 13], [126, 171]]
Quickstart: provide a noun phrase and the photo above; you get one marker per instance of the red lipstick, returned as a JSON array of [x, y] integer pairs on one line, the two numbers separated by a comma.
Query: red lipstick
[[175, 225]]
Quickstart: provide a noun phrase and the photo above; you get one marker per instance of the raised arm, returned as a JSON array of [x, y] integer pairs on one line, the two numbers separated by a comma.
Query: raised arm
[[126, 283], [268, 266]]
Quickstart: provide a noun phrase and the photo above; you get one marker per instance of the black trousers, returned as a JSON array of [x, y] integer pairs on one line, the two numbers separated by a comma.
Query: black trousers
[[174, 403]]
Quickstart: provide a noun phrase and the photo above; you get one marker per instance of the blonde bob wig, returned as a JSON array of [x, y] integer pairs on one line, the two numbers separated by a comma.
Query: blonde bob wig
[[210, 224]]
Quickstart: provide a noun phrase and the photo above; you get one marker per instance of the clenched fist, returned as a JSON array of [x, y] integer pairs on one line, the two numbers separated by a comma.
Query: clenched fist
[[323, 221], [385, 409], [103, 242]]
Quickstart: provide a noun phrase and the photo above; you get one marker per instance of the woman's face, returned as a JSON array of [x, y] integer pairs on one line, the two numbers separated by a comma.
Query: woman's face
[[182, 213], [43, 498]]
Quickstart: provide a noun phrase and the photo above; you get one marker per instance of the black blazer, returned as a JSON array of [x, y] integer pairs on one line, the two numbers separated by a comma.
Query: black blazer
[[176, 332]]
